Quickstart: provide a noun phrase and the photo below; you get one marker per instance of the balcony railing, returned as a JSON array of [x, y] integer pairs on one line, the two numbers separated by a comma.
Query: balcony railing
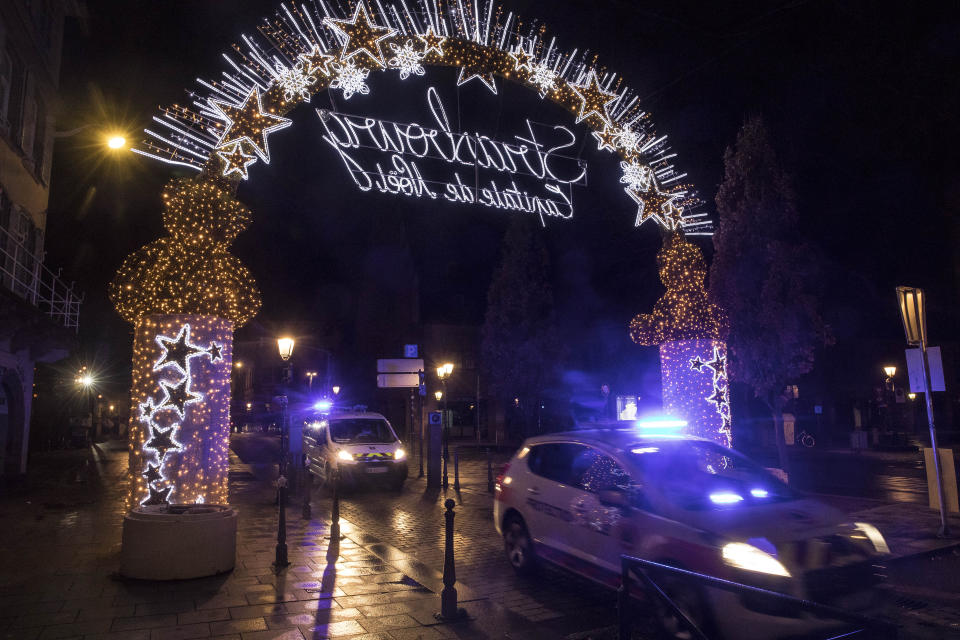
[[23, 273]]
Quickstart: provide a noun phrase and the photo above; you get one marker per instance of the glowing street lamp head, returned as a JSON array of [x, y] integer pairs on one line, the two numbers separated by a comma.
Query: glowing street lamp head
[[890, 371], [86, 380], [285, 347], [336, 389], [448, 368], [438, 395], [116, 142]]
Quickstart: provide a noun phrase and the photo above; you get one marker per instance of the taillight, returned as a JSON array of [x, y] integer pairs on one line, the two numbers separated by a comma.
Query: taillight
[[498, 486]]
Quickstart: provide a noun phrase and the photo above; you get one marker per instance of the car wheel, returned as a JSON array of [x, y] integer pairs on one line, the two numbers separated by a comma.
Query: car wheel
[[519, 546], [690, 599]]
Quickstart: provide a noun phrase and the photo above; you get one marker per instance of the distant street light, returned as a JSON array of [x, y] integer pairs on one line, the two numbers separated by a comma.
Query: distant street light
[[912, 396], [310, 376], [336, 389], [117, 142], [438, 395], [444, 372], [913, 313], [890, 371], [285, 346]]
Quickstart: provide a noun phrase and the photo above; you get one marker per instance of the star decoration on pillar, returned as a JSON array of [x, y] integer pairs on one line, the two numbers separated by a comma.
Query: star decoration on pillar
[[178, 396], [214, 352], [719, 396], [718, 363], [157, 496], [361, 35], [655, 204], [177, 351], [249, 123], [161, 440], [317, 61], [431, 42], [152, 474], [235, 160], [696, 363], [486, 77], [593, 99], [522, 59], [147, 409]]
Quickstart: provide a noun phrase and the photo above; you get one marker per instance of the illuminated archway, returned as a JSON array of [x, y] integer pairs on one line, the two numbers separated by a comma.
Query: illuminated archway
[[186, 293]]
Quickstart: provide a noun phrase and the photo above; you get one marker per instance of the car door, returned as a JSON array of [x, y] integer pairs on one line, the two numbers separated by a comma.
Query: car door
[[604, 530], [546, 495]]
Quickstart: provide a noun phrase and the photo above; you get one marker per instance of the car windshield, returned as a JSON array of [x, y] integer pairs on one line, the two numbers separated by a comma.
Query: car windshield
[[702, 475], [353, 430]]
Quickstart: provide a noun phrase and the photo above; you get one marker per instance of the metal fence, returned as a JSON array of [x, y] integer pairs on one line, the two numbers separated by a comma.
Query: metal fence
[[861, 626], [23, 273]]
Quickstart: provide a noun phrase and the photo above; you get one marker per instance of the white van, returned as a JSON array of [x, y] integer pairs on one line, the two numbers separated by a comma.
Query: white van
[[361, 445]]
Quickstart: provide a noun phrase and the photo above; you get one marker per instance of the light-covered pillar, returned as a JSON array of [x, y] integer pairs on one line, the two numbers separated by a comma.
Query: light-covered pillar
[[180, 419], [695, 386]]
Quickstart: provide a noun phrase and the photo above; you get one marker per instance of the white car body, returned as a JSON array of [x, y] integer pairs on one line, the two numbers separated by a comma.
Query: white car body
[[825, 559], [376, 454]]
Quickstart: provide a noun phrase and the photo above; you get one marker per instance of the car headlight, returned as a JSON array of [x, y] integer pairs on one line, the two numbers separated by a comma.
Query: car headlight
[[746, 556], [344, 455], [399, 454], [873, 535]]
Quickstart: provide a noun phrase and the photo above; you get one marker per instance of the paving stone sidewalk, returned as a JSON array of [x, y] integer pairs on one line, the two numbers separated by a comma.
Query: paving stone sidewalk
[[59, 558]]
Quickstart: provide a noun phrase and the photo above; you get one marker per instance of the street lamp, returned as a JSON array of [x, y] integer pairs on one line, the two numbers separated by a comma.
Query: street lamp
[[890, 370], [310, 376], [336, 389], [285, 347], [913, 313], [444, 372], [438, 395]]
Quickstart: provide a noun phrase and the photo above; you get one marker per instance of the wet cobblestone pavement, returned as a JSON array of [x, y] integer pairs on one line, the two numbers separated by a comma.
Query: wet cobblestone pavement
[[59, 556]]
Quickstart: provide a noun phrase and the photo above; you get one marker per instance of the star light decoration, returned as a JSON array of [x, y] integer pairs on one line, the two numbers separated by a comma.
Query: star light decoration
[[660, 206], [248, 123], [235, 160], [177, 352], [361, 36], [720, 398], [593, 99], [407, 60], [431, 42], [350, 79], [317, 62], [470, 73]]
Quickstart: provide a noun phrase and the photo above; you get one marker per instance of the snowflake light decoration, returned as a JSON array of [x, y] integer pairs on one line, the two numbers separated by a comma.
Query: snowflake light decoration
[[627, 139], [406, 59], [543, 78], [296, 81], [636, 176], [350, 79]]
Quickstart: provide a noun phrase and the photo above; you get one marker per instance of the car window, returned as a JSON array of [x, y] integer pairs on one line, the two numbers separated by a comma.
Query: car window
[[554, 461], [361, 430], [593, 471]]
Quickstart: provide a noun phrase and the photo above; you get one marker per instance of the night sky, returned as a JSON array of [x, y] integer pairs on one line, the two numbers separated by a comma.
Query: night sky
[[860, 99]]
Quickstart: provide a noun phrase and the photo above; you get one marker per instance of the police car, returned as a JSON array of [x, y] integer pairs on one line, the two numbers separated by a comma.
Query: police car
[[580, 499], [361, 445]]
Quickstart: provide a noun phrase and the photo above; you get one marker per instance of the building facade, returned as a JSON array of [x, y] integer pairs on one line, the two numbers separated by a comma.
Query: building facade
[[38, 310]]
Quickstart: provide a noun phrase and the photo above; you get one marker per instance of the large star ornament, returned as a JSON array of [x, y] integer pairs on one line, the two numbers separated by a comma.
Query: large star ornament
[[161, 440], [486, 77], [361, 35], [249, 123], [657, 205], [178, 396], [152, 474], [177, 351], [522, 59], [593, 99], [317, 61]]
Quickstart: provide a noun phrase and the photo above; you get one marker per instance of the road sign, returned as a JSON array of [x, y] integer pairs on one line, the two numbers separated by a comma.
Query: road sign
[[400, 365], [435, 418], [410, 351], [915, 369], [398, 380]]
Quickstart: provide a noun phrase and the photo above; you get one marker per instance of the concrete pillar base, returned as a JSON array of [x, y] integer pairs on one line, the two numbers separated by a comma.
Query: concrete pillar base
[[178, 542]]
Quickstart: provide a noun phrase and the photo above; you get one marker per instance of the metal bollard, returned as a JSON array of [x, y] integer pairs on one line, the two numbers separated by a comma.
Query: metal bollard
[[456, 469], [448, 597], [307, 510], [489, 473], [335, 509]]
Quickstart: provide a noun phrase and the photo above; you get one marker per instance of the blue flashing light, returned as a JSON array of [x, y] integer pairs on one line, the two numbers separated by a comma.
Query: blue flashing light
[[323, 405], [759, 493], [725, 497], [666, 424]]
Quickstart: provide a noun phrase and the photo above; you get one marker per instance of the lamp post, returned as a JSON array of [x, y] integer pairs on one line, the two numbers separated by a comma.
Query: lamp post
[[310, 376], [285, 347], [912, 303], [443, 372]]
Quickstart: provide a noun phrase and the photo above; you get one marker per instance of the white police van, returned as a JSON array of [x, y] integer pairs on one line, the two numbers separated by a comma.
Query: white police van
[[580, 499], [361, 445]]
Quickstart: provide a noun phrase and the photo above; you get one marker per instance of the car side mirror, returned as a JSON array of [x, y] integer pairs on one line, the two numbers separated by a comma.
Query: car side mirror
[[613, 498]]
